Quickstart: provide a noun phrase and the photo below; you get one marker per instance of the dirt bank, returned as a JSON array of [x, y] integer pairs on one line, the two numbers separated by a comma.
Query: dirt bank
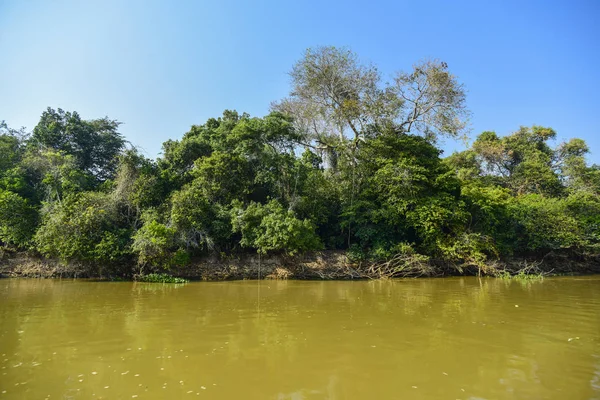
[[324, 265]]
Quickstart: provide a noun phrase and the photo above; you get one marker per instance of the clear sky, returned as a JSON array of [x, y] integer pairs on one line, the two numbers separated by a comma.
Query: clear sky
[[161, 66]]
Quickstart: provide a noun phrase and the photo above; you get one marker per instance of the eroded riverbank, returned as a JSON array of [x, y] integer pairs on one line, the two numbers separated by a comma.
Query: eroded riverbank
[[325, 265]]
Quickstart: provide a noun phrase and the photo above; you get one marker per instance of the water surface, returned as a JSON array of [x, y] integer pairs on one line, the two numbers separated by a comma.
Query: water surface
[[455, 338]]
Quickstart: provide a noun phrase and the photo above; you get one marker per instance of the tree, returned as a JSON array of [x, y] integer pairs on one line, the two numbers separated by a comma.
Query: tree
[[55, 174], [18, 220], [10, 147], [271, 228], [433, 101], [347, 161], [523, 161], [336, 98], [545, 224], [154, 244], [86, 226], [94, 144], [199, 222], [404, 193]]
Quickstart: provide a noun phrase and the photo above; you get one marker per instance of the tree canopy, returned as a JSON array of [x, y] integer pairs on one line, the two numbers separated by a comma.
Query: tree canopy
[[345, 162]]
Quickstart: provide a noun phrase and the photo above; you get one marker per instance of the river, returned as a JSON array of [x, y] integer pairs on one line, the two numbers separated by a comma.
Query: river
[[451, 338]]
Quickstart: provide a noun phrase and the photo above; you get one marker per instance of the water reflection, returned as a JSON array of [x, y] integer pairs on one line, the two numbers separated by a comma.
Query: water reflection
[[426, 338]]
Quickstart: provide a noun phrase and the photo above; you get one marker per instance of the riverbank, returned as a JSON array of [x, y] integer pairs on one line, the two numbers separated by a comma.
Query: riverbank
[[324, 265]]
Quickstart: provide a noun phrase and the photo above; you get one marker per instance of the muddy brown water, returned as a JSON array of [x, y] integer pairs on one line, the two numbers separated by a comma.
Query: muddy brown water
[[453, 338]]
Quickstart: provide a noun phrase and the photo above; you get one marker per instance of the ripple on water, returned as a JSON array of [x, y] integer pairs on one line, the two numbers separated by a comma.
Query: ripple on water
[[431, 338]]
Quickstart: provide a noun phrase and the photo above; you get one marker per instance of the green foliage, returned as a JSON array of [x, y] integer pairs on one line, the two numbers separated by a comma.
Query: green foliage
[[18, 219], [138, 182], [402, 193], [154, 243], [346, 162], [468, 249], [271, 228], [199, 223], [55, 174], [222, 176], [87, 227], [524, 160], [113, 246], [545, 224], [10, 148], [584, 206], [160, 278], [335, 97], [522, 276], [94, 144]]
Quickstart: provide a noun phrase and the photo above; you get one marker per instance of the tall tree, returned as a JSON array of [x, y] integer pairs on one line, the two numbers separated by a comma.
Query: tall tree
[[336, 98], [95, 144]]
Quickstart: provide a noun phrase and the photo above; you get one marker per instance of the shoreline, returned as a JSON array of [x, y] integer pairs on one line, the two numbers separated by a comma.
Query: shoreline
[[323, 265]]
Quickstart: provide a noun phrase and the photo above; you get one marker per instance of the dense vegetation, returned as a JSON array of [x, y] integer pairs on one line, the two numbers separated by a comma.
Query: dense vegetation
[[345, 162]]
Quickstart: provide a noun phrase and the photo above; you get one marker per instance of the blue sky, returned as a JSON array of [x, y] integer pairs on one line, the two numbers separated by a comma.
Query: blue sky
[[161, 66]]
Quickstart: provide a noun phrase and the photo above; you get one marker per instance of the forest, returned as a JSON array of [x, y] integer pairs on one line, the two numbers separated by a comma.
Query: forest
[[349, 161]]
